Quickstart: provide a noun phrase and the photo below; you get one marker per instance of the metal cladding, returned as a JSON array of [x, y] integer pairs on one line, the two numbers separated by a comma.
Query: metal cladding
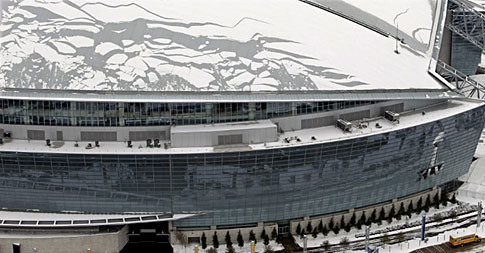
[[250, 186], [141, 106]]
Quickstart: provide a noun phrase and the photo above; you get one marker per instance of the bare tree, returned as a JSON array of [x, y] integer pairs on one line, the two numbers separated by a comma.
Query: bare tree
[[182, 239]]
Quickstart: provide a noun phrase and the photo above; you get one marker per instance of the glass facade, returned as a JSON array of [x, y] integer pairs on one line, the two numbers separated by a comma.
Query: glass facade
[[250, 186], [68, 113]]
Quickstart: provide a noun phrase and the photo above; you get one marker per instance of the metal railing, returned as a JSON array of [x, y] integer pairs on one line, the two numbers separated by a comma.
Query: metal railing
[[464, 84]]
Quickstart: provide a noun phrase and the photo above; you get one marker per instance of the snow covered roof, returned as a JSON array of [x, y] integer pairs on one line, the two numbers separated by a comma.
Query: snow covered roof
[[204, 45], [413, 18], [70, 219]]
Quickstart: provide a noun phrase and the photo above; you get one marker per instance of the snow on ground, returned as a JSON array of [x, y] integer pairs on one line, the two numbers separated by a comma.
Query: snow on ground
[[473, 190], [469, 194], [259, 247], [415, 244], [384, 228], [476, 178]]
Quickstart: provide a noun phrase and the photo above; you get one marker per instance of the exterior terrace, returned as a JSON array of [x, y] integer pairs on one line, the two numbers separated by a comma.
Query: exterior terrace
[[309, 136]]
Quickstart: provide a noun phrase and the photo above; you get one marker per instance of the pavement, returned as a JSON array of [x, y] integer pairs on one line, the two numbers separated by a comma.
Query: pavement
[[445, 247], [473, 189]]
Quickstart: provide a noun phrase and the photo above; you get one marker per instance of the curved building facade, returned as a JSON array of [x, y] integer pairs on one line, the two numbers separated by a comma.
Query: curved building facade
[[236, 118], [272, 184]]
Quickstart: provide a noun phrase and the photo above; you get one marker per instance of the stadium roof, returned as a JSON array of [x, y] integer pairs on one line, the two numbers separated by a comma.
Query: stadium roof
[[207, 45]]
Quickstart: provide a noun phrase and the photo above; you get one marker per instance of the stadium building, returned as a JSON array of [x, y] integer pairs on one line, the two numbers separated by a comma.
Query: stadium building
[[208, 115]]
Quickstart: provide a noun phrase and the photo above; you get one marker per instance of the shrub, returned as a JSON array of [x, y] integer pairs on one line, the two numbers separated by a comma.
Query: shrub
[[211, 250], [347, 228], [409, 211], [309, 227], [203, 241], [268, 249], [382, 214], [215, 240], [372, 217], [437, 217], [314, 233], [452, 214], [344, 242], [302, 233], [361, 221], [436, 201], [252, 237], [391, 215], [336, 229], [320, 226], [325, 231], [279, 238], [298, 229], [230, 249], [427, 204], [263, 234], [228, 239], [240, 241], [352, 221], [444, 199], [266, 240], [400, 212], [274, 234], [331, 224], [419, 206], [181, 238], [453, 199]]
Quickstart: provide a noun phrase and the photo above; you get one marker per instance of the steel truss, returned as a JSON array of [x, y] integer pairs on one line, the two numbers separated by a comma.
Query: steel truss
[[467, 22], [464, 84]]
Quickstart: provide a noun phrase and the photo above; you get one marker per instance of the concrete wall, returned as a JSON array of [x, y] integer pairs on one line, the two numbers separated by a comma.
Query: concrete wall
[[294, 123], [221, 233], [208, 135], [98, 243], [73, 133], [358, 212]]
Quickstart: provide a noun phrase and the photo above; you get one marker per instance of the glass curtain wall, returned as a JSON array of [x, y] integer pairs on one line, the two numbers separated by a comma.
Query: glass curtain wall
[[67, 113]]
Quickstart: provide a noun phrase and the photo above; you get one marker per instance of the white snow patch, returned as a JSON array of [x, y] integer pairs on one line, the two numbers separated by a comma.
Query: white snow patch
[[64, 48], [80, 41], [117, 59], [106, 47]]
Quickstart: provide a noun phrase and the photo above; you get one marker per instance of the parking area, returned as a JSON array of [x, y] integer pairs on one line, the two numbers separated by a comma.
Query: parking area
[[445, 247]]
